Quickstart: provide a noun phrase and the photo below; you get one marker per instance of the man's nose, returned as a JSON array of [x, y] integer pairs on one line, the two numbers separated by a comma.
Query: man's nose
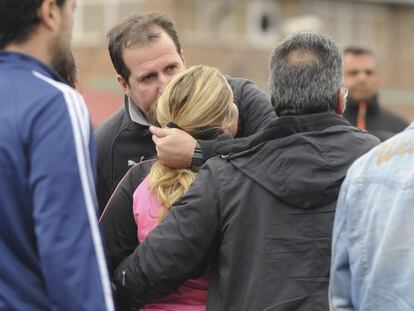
[[162, 82], [362, 76]]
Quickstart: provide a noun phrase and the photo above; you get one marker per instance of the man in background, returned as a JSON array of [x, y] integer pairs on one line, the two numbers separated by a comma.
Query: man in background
[[363, 109], [51, 256]]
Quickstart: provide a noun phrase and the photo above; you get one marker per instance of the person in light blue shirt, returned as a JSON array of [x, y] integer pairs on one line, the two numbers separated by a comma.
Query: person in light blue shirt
[[373, 239]]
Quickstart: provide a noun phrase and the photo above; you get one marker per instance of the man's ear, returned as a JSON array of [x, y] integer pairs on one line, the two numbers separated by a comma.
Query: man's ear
[[50, 14], [340, 102], [124, 84]]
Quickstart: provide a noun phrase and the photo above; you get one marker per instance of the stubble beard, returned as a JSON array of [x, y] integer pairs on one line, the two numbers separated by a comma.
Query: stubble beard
[[62, 56], [151, 116]]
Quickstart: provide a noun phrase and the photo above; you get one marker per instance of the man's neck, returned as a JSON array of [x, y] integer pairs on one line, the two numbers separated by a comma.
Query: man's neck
[[36, 48], [136, 114]]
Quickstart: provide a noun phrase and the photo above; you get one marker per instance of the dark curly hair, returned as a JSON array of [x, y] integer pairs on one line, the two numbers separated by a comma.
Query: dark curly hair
[[18, 18]]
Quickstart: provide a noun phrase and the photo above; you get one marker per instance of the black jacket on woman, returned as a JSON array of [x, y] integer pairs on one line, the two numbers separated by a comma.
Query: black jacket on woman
[[261, 215]]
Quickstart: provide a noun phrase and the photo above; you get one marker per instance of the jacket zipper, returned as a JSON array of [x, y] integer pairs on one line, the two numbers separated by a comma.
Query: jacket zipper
[[123, 278]]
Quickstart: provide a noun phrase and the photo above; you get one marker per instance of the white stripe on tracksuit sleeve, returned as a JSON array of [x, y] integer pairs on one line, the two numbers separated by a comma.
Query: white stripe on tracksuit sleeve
[[65, 207]]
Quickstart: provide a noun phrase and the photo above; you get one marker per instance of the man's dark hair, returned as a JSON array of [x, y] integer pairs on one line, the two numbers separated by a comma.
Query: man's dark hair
[[358, 50], [305, 74], [66, 68], [138, 29], [18, 19]]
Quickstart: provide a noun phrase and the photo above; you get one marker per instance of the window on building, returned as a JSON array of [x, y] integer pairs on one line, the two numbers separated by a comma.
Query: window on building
[[95, 17], [353, 23], [263, 23]]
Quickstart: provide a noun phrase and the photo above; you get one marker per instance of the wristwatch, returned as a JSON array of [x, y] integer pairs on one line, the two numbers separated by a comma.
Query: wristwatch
[[197, 159]]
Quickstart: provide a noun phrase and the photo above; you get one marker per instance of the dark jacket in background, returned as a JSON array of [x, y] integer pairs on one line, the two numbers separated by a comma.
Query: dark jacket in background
[[121, 142], [380, 122], [261, 214]]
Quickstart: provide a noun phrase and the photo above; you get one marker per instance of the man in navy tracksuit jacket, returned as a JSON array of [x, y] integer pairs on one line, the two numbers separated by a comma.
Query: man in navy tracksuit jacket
[[51, 256]]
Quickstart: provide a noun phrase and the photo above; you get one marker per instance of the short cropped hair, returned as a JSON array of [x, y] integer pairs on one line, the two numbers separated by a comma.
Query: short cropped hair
[[138, 29], [358, 50], [305, 74]]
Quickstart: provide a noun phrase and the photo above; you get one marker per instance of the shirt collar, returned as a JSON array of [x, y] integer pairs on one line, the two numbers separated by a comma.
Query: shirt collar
[[135, 113], [373, 105]]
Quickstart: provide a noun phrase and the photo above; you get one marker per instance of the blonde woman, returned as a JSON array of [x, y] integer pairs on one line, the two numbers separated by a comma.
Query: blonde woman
[[200, 102]]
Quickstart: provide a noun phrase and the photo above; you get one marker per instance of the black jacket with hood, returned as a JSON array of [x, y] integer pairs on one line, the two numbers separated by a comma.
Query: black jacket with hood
[[121, 142], [260, 216]]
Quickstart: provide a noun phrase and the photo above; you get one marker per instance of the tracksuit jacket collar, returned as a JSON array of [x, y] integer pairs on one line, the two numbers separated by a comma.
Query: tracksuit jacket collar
[[15, 59]]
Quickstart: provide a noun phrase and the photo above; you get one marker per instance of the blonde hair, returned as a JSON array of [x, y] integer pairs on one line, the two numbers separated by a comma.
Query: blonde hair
[[197, 100]]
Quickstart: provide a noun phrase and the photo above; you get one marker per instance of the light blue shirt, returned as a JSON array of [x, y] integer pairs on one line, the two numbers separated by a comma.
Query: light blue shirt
[[373, 238]]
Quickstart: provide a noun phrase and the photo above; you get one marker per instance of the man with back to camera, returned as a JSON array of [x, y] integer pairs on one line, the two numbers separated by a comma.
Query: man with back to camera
[[51, 256], [146, 52], [260, 216], [363, 109]]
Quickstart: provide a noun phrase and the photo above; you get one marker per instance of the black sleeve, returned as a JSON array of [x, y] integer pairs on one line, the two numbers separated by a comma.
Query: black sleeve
[[208, 147], [118, 224], [177, 249], [104, 136], [103, 178], [102, 190], [255, 109], [255, 113]]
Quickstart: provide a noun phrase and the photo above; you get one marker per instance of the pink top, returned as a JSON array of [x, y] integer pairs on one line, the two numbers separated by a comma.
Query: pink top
[[192, 294]]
